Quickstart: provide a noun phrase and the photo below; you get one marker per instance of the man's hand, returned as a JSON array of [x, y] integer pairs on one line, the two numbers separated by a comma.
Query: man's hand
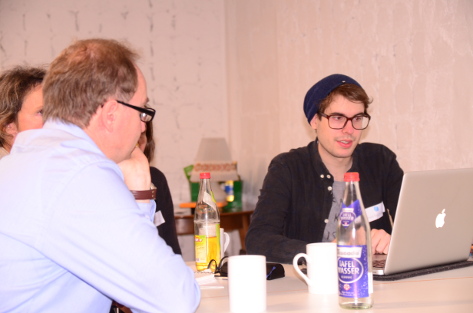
[[380, 241], [136, 171]]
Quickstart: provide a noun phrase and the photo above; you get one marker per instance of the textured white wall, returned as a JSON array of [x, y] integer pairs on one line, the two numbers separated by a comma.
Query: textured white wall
[[414, 58], [182, 48]]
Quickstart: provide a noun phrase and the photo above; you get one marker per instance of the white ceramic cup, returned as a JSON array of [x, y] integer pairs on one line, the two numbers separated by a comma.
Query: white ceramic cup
[[247, 283], [322, 273], [224, 242]]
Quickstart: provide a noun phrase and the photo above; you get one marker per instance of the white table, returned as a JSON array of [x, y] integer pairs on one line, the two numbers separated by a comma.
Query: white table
[[450, 291]]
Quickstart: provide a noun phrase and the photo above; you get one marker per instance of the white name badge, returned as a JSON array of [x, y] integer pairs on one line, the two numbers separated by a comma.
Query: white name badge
[[375, 212], [158, 218]]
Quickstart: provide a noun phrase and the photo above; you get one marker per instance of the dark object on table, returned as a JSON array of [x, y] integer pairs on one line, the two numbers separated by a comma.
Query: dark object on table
[[273, 270]]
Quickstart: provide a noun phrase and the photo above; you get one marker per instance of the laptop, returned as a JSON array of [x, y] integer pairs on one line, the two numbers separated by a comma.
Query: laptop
[[434, 221]]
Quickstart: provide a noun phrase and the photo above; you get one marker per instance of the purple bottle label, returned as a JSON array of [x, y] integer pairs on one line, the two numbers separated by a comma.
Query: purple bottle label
[[349, 213], [353, 279]]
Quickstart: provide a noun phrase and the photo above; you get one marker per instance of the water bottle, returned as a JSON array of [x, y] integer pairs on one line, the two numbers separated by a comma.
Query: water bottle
[[355, 274], [206, 227]]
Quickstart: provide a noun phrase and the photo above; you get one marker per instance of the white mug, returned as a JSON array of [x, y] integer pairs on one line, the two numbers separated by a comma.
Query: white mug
[[322, 271], [247, 283], [224, 242]]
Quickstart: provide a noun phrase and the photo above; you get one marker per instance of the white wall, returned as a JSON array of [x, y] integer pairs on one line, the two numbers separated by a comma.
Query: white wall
[[183, 60], [414, 58]]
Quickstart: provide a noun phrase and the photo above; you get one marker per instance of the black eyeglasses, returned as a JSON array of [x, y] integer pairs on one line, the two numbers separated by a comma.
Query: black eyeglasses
[[146, 114], [339, 121]]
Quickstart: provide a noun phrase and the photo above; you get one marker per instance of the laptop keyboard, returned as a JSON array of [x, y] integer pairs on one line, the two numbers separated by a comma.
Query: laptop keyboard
[[379, 260], [379, 263]]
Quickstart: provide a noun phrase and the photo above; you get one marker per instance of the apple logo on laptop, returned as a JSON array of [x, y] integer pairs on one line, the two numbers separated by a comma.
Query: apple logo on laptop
[[440, 220]]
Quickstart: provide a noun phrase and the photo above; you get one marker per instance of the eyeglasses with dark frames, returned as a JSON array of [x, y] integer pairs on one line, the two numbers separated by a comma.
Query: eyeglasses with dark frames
[[339, 121], [146, 114]]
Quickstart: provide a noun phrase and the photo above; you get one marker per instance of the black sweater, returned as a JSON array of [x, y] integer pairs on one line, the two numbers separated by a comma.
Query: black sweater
[[167, 230], [296, 198]]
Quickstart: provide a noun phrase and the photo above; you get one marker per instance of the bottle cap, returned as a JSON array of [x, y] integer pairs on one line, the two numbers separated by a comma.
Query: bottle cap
[[351, 176], [204, 175]]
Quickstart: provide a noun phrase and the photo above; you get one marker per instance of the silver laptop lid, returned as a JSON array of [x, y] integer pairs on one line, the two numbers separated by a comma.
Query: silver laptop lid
[[434, 220]]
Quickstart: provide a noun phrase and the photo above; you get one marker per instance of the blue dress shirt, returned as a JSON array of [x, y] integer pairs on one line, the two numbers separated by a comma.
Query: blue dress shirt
[[72, 237]]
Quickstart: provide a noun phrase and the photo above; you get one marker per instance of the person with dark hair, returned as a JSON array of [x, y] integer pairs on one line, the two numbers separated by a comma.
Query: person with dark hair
[[76, 220], [21, 103], [301, 195], [164, 218]]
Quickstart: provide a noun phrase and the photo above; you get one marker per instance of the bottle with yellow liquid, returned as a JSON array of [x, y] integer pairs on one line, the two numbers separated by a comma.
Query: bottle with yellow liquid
[[206, 227]]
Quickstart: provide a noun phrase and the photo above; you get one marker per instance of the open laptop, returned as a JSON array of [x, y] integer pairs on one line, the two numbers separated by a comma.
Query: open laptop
[[433, 223]]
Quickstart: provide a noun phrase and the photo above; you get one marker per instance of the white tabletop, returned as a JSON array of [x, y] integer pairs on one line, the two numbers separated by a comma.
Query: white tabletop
[[449, 291]]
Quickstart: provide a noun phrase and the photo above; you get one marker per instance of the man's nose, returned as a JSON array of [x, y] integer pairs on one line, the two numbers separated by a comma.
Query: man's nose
[[348, 128]]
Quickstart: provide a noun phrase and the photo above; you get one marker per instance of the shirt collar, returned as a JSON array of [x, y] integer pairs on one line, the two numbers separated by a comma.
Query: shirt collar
[[67, 127]]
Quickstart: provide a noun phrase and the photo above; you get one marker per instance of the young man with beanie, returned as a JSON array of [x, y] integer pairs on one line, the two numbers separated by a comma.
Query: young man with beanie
[[301, 195]]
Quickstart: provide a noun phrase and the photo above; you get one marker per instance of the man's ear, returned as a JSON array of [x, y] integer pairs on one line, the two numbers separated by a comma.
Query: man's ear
[[314, 123], [108, 114]]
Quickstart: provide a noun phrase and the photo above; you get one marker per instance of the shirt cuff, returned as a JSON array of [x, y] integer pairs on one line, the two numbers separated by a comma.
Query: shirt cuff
[[148, 209]]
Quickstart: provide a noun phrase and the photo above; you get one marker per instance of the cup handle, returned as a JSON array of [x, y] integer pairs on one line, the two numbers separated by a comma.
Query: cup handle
[[298, 270], [224, 242]]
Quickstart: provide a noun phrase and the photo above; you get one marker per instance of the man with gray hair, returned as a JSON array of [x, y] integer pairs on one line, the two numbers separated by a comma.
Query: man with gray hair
[[76, 220]]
